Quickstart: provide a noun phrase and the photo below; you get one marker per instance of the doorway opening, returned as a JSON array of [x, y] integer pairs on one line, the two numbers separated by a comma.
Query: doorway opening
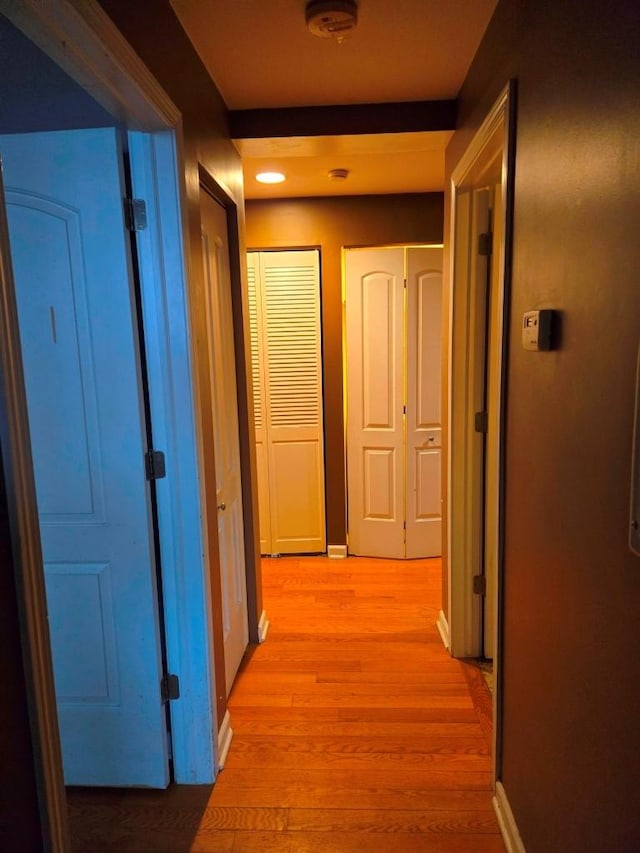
[[481, 200], [156, 176]]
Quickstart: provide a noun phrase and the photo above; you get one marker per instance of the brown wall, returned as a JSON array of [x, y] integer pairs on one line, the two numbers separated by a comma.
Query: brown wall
[[571, 737], [330, 224], [162, 44]]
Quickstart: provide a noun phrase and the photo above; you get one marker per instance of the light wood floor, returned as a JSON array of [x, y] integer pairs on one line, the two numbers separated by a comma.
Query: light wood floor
[[354, 731]]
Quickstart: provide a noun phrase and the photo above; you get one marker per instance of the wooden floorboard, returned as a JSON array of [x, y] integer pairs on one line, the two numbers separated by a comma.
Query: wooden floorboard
[[353, 731]]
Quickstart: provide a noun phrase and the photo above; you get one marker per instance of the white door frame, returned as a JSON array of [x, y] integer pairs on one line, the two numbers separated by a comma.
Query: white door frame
[[82, 39], [462, 498], [463, 631]]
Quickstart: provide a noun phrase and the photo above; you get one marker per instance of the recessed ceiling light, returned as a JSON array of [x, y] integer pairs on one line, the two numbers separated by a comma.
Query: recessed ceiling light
[[270, 177]]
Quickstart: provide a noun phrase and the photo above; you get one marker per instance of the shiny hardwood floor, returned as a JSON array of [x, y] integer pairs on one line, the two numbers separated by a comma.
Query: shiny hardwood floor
[[354, 731]]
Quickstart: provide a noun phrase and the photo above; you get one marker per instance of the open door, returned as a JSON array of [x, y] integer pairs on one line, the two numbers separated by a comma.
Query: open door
[[76, 310], [222, 361]]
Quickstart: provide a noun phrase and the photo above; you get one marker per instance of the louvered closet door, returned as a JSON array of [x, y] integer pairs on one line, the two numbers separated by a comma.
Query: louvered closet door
[[424, 428], [289, 337], [259, 404]]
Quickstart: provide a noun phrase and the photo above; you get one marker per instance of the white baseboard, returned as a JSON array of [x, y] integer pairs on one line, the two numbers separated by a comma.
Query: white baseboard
[[506, 821], [337, 552], [263, 627], [225, 735], [443, 629]]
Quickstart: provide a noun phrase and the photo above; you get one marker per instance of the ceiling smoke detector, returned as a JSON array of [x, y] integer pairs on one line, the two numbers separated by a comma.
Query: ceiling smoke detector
[[332, 18]]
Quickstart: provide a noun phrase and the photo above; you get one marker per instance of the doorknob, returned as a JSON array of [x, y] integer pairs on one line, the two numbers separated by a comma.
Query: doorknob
[[222, 507]]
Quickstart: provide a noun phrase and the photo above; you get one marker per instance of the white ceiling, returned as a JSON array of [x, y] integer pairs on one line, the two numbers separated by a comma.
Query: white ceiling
[[260, 54]]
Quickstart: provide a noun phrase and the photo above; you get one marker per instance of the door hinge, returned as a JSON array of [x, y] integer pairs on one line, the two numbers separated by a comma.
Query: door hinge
[[135, 214], [154, 465], [169, 687], [481, 422], [485, 244], [479, 585]]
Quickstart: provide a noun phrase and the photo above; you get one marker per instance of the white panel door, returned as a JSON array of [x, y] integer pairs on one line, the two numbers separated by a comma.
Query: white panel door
[[226, 440], [424, 428], [289, 320], [375, 399], [76, 311], [259, 402]]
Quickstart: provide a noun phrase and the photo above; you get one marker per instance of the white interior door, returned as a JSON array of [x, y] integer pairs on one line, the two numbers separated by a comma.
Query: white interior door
[[64, 194], [375, 400], [226, 440], [424, 427], [287, 336]]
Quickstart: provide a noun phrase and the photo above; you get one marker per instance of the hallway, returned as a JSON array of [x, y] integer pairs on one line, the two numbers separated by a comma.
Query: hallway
[[353, 731]]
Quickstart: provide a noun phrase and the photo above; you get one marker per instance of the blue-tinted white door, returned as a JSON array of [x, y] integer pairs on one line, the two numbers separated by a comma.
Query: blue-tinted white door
[[69, 250]]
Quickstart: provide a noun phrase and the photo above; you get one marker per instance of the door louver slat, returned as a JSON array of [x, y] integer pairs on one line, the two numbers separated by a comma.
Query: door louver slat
[[284, 315], [255, 351], [292, 318]]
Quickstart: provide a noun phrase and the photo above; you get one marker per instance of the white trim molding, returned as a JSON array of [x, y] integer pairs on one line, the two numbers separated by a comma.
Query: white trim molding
[[337, 552], [225, 736], [81, 38], [506, 821], [263, 627], [443, 629]]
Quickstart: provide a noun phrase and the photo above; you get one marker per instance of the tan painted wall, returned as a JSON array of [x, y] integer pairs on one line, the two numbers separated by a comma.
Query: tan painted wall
[[330, 224], [571, 737]]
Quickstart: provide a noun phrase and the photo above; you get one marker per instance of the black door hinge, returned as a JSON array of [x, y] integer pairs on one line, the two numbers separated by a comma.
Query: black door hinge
[[169, 688], [135, 214], [479, 585], [481, 422], [154, 465], [485, 244]]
